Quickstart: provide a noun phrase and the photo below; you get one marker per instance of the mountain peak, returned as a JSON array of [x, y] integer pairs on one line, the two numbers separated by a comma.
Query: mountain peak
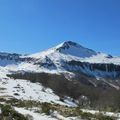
[[67, 45], [67, 48], [70, 43], [74, 49]]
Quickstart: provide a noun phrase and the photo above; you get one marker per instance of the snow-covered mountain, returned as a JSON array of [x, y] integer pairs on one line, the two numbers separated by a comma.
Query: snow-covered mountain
[[74, 61], [60, 75], [72, 57], [72, 50], [69, 48], [66, 57]]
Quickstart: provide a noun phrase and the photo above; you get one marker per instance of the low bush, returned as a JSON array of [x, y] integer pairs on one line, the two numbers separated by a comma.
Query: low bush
[[8, 113]]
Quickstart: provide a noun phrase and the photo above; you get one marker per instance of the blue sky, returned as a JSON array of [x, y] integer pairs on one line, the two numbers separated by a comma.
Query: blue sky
[[29, 26]]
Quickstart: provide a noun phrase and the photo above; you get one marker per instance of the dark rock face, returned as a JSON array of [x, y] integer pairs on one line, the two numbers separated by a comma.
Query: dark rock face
[[47, 63], [9, 56], [13, 58], [112, 69], [67, 45]]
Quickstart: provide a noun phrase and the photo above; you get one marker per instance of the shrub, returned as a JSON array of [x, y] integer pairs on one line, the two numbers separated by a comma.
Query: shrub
[[8, 111], [46, 108]]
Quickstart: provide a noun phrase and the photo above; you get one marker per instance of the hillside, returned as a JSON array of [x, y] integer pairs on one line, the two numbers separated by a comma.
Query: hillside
[[69, 76]]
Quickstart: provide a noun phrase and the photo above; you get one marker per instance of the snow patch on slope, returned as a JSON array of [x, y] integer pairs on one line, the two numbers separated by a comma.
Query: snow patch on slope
[[26, 90], [102, 58], [36, 116]]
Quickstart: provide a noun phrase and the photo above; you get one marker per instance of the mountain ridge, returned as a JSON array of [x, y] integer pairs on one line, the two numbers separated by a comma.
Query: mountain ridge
[[69, 47], [67, 57]]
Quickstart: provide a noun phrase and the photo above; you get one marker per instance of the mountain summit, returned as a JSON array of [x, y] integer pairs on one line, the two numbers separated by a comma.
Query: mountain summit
[[68, 48], [74, 49]]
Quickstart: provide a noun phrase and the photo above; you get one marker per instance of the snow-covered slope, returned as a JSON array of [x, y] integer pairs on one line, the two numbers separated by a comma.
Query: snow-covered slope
[[26, 90]]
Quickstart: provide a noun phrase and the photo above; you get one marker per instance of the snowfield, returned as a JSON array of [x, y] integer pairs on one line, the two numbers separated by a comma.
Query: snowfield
[[26, 90]]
